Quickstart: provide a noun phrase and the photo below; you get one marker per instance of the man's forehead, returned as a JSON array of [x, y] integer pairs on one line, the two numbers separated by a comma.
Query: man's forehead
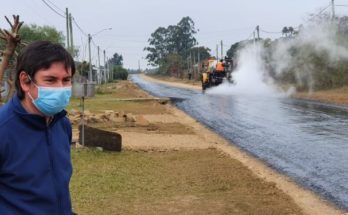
[[55, 73]]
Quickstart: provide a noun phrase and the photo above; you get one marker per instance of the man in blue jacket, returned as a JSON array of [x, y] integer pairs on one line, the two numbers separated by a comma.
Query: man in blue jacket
[[35, 134]]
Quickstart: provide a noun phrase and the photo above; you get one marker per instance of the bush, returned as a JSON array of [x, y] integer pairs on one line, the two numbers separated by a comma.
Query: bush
[[120, 73]]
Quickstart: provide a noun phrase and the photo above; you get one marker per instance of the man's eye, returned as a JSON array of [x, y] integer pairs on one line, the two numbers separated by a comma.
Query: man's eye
[[50, 80]]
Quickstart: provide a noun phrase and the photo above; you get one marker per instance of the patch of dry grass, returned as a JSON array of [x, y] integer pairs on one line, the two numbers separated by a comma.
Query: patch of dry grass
[[109, 95], [177, 182], [337, 96]]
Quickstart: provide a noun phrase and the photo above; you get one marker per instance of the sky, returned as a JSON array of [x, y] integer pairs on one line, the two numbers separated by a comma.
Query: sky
[[133, 21]]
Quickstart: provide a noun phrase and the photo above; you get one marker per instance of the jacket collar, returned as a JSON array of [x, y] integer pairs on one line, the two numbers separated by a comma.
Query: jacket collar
[[34, 119]]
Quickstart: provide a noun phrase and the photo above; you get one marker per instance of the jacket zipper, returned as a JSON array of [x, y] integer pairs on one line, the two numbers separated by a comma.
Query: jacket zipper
[[49, 147]]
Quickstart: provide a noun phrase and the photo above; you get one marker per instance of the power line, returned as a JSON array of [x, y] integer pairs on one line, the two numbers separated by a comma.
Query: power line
[[251, 35], [77, 25], [270, 32], [56, 6], [95, 46], [53, 9], [322, 10]]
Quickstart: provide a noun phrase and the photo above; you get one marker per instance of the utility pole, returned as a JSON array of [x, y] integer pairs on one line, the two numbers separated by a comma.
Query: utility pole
[[90, 78], [67, 29], [333, 9], [105, 73], [254, 38], [188, 67], [110, 70], [199, 61], [71, 36], [99, 72], [222, 49], [217, 52], [138, 65], [258, 32], [193, 65]]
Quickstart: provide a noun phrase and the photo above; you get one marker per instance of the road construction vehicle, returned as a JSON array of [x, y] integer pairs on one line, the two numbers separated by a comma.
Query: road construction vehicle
[[214, 72]]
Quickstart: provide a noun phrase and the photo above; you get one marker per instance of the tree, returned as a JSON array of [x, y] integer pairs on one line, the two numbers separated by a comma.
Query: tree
[[175, 39], [234, 49], [116, 60], [232, 52], [291, 30], [159, 46], [285, 31], [183, 36], [12, 39], [119, 73], [30, 33], [83, 68], [172, 65]]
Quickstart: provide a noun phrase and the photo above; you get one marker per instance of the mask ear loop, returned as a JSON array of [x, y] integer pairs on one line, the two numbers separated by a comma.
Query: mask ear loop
[[31, 80]]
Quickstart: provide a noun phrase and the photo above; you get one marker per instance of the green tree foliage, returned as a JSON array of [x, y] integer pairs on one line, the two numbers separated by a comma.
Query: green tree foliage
[[116, 60], [119, 73], [288, 31], [116, 63], [30, 33], [172, 65], [236, 47], [83, 68], [285, 31], [173, 40]]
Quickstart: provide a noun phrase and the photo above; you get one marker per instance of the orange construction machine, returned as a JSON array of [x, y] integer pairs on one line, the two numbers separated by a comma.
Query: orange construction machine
[[214, 72]]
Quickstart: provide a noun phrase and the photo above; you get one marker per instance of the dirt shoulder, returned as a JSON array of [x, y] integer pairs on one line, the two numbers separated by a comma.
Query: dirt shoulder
[[173, 81], [308, 201], [336, 96]]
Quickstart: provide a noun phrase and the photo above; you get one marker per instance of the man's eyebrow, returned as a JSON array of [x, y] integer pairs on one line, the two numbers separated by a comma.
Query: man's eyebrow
[[54, 77], [50, 77]]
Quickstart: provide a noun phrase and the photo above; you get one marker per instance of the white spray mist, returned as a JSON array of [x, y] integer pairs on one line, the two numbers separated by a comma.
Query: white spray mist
[[249, 76]]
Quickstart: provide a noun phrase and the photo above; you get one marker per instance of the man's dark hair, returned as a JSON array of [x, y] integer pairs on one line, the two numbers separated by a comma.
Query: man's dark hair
[[41, 55]]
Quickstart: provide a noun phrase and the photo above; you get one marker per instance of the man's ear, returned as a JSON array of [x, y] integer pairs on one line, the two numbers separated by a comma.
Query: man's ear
[[24, 81]]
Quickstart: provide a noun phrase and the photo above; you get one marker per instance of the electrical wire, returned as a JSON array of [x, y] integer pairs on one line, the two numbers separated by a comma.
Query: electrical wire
[[56, 6], [322, 10], [270, 32], [251, 35], [95, 46], [78, 26], [53, 9]]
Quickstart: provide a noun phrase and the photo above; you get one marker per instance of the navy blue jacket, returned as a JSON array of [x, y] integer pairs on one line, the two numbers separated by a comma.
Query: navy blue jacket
[[35, 164]]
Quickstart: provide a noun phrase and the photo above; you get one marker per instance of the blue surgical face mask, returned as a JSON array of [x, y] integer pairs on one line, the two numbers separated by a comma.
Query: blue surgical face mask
[[51, 100]]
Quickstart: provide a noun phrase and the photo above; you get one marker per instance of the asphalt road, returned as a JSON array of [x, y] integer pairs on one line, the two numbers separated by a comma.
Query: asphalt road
[[306, 140]]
